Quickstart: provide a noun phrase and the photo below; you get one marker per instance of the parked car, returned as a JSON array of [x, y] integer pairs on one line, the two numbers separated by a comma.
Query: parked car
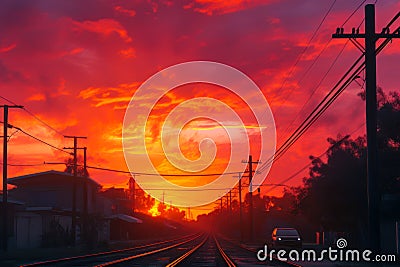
[[286, 237]]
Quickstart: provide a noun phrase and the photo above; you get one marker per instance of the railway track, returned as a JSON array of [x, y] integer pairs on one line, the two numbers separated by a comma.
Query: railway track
[[214, 251], [112, 255], [203, 250], [192, 250], [207, 253], [247, 256]]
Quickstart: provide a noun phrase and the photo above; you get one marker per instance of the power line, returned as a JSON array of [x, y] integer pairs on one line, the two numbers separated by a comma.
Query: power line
[[284, 181], [43, 122], [190, 189], [281, 183], [310, 67], [24, 165], [322, 107], [327, 72], [352, 14], [314, 115], [151, 174], [44, 142], [316, 87], [33, 115], [38, 139], [8, 100], [303, 52], [170, 175]]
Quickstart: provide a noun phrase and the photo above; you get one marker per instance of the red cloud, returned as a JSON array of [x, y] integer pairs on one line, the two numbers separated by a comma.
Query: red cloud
[[129, 12], [211, 7], [128, 53], [36, 97], [104, 27], [7, 48]]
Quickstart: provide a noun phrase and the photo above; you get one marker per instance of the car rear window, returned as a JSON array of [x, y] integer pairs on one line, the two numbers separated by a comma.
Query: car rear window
[[287, 232]]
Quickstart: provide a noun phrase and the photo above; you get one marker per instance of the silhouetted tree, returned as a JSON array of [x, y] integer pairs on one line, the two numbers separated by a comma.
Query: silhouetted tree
[[334, 195], [69, 167], [285, 203], [143, 202], [171, 213]]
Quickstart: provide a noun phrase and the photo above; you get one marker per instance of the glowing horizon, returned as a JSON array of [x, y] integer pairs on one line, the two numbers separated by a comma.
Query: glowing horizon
[[76, 67]]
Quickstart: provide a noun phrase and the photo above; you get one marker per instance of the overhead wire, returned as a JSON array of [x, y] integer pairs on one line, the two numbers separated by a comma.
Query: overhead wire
[[354, 12], [321, 107], [44, 142], [296, 173], [33, 115], [316, 88], [37, 139], [283, 149], [284, 134], [303, 52]]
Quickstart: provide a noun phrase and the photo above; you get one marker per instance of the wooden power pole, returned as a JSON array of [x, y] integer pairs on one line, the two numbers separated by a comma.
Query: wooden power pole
[[74, 185], [5, 191], [373, 188]]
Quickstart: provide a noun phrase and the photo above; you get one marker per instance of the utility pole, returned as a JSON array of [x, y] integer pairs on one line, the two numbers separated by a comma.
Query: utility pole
[[251, 197], [240, 176], [85, 213], [251, 217], [5, 191], [240, 208], [74, 185], [227, 203], [373, 188], [132, 190], [134, 196], [85, 196], [85, 185], [230, 201]]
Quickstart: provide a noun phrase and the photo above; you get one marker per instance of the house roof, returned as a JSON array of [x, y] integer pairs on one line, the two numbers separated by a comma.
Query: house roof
[[28, 177], [11, 201], [126, 218], [39, 208]]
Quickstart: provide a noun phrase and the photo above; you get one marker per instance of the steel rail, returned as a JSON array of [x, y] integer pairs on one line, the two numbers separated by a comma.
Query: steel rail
[[121, 260], [187, 254], [65, 259]]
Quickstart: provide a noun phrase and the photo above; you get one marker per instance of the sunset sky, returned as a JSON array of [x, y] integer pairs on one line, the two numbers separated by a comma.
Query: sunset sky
[[77, 64]]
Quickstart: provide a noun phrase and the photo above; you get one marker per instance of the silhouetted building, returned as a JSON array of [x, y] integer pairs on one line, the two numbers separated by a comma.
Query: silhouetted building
[[117, 205], [54, 189], [46, 218], [115, 201], [13, 206], [390, 223]]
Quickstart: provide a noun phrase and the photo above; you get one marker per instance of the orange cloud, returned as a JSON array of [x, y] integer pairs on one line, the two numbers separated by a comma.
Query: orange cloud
[[211, 7], [72, 52], [71, 70], [129, 12], [109, 95], [104, 27], [36, 97], [128, 53]]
